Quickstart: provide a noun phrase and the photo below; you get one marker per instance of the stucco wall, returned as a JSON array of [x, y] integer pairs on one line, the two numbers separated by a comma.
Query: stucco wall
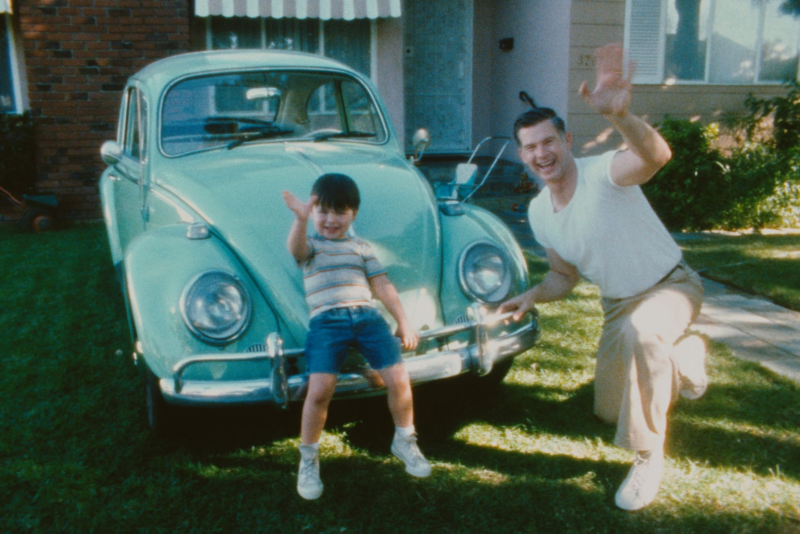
[[390, 70], [482, 80], [538, 62], [597, 22]]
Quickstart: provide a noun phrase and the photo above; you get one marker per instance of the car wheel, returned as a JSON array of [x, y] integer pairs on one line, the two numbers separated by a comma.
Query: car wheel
[[158, 411]]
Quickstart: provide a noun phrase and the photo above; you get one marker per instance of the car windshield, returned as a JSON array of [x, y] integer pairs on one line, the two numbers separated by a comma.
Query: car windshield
[[231, 109]]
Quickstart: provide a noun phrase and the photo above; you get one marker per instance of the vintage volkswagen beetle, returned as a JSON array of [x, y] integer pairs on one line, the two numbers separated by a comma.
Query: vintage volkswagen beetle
[[197, 229]]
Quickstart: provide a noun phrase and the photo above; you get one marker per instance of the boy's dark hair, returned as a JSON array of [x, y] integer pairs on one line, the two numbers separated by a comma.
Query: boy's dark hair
[[535, 116], [336, 191]]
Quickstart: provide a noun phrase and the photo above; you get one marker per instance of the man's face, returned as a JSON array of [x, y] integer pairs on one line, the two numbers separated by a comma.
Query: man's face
[[331, 223], [545, 150]]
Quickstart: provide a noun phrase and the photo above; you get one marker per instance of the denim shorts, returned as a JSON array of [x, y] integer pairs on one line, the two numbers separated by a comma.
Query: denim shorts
[[333, 332]]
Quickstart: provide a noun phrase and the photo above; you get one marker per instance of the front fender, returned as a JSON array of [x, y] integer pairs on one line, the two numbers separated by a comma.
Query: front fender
[[110, 217], [158, 267], [458, 232]]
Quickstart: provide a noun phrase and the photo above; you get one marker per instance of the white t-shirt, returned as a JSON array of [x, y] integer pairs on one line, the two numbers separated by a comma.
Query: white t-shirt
[[608, 232]]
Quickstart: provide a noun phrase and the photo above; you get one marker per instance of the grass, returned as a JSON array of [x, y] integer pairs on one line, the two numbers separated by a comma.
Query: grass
[[763, 264], [76, 454]]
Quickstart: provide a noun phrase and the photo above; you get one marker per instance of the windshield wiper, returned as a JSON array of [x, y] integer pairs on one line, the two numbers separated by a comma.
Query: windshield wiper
[[259, 132], [324, 136]]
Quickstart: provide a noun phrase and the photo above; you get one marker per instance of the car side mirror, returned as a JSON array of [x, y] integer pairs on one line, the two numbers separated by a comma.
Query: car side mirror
[[421, 141], [111, 152]]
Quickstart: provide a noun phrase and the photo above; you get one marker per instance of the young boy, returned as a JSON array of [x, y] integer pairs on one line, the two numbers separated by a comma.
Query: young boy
[[340, 275]]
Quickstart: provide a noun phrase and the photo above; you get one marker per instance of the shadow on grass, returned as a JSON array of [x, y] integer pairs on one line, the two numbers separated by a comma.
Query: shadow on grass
[[708, 431]]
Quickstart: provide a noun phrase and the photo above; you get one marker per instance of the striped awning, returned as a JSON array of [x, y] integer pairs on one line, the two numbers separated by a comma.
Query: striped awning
[[300, 9], [5, 6]]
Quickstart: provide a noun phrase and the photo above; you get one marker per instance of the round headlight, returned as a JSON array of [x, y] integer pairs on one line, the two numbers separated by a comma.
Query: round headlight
[[216, 307], [485, 273]]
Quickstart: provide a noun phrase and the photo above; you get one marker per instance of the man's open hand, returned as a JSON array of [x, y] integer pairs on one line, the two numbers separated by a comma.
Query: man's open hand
[[612, 92]]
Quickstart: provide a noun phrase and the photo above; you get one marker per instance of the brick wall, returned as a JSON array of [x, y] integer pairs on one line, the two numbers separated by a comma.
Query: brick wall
[[78, 56]]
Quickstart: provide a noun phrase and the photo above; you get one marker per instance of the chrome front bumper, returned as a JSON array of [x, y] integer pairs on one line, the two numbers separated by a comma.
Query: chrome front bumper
[[478, 356]]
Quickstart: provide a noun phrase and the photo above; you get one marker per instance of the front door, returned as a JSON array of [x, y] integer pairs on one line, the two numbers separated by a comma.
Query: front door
[[438, 72]]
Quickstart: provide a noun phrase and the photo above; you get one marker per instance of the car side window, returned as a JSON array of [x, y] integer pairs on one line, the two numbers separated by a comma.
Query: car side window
[[361, 113], [133, 147]]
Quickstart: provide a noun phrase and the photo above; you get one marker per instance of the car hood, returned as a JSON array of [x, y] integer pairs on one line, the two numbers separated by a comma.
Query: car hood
[[238, 193]]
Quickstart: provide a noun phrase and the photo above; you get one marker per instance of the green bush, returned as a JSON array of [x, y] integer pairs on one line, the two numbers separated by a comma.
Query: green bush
[[774, 124], [17, 153], [685, 193], [753, 184], [751, 173]]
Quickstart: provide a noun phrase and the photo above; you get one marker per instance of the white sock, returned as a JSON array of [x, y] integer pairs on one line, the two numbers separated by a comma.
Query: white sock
[[406, 432], [314, 446]]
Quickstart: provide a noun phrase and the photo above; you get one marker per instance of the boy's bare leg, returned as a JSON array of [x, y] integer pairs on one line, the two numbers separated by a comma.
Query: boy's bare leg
[[315, 408], [398, 388], [401, 404], [373, 377]]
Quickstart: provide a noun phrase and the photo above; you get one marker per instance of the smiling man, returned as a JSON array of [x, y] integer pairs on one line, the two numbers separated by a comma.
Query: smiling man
[[594, 221]]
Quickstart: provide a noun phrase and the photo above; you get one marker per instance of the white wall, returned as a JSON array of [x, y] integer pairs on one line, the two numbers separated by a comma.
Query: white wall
[[390, 71], [538, 64]]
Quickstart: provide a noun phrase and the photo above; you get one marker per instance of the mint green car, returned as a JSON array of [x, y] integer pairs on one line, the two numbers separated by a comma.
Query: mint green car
[[197, 229]]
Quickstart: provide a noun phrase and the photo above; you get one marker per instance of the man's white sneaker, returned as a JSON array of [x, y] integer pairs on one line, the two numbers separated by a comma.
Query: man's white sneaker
[[309, 485], [640, 487], [690, 357], [406, 449]]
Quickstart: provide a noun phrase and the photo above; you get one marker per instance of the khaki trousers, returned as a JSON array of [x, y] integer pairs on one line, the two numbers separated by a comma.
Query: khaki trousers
[[636, 379]]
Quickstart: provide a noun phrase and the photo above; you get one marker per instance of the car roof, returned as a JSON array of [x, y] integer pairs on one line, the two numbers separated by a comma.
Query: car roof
[[164, 70]]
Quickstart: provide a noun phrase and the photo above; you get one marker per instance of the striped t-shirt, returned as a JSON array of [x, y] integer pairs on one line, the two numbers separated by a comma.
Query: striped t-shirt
[[336, 273]]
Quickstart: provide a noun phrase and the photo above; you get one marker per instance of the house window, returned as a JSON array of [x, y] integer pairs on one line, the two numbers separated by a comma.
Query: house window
[[346, 41], [712, 41], [9, 73]]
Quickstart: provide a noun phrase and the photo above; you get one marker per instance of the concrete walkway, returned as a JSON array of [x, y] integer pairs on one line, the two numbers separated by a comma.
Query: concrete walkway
[[753, 328]]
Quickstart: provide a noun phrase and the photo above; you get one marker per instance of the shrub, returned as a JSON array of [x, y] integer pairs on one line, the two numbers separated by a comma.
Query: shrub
[[777, 117], [751, 173], [685, 193], [753, 184], [17, 153], [773, 125]]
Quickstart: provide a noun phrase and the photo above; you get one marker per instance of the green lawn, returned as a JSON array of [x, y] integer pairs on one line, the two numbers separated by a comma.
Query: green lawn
[[76, 454], [767, 265]]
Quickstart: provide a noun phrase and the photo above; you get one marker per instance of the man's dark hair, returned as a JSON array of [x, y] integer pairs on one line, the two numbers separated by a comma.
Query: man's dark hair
[[535, 116], [336, 191]]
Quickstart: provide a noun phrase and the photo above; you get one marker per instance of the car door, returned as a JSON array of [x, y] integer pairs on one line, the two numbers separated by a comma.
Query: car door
[[129, 184]]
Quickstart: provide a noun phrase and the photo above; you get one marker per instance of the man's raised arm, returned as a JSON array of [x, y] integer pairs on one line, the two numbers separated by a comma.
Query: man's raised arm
[[647, 150]]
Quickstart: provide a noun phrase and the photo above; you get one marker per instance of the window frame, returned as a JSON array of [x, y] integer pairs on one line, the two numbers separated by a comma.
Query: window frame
[[373, 37], [653, 73], [19, 96]]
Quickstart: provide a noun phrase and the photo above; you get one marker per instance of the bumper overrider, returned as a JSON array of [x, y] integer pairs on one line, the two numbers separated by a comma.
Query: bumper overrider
[[445, 359]]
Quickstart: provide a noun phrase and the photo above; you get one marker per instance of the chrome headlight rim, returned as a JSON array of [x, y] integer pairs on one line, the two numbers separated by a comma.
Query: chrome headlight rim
[[238, 326], [507, 284]]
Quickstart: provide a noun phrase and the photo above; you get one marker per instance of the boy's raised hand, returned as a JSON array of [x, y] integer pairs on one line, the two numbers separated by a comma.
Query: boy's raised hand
[[301, 209]]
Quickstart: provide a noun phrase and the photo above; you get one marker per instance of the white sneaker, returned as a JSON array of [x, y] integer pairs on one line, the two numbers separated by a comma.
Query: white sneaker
[[406, 449], [640, 487], [309, 485], [690, 357]]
